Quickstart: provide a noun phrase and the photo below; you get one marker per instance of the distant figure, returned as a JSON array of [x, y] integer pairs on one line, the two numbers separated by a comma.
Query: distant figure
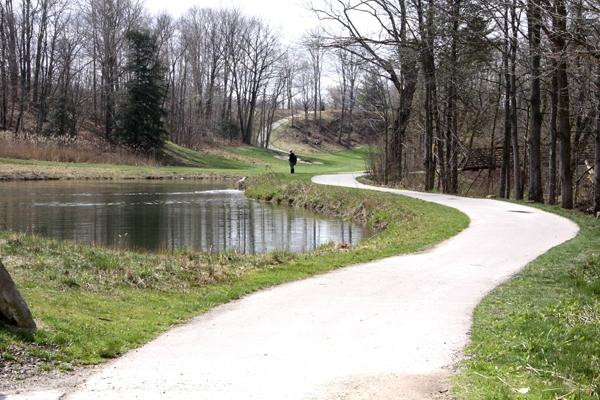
[[293, 161]]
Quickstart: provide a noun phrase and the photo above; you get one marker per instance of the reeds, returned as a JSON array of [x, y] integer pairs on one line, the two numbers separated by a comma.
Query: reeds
[[75, 150]]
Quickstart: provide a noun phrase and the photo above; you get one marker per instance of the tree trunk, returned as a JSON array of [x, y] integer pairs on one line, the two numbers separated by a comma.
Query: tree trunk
[[428, 162], [351, 111], [3, 73], [492, 154], [564, 123], [108, 85], [410, 74], [597, 146], [13, 68], [553, 137], [428, 63], [504, 173], [535, 158], [343, 100], [451, 185], [518, 181], [38, 53], [564, 135], [208, 112]]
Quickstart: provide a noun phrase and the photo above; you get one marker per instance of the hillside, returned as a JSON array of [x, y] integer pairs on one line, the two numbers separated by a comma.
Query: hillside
[[308, 136]]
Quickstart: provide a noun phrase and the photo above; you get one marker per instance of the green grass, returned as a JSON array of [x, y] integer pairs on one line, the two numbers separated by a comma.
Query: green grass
[[96, 303], [182, 161], [56, 169], [338, 161], [540, 332], [183, 156], [230, 161]]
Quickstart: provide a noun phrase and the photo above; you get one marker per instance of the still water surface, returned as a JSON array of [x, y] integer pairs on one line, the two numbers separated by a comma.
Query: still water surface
[[164, 216]]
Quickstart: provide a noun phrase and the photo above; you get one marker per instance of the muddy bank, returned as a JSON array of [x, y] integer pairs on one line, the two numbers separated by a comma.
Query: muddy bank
[[18, 172]]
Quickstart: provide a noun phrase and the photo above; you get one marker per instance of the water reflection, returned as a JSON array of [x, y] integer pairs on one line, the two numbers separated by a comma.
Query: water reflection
[[164, 216]]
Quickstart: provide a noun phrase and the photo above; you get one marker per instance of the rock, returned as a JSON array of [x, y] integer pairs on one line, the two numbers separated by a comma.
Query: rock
[[241, 184], [13, 308], [490, 196]]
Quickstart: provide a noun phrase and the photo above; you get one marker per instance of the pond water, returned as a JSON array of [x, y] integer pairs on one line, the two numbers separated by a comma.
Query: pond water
[[158, 215]]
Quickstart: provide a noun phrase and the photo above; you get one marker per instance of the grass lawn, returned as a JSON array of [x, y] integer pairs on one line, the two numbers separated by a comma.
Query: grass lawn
[[322, 163], [230, 161], [538, 335]]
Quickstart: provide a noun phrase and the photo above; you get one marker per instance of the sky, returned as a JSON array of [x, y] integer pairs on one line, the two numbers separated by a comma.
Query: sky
[[290, 18]]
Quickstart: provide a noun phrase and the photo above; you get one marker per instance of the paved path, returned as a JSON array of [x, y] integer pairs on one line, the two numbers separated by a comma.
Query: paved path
[[382, 330]]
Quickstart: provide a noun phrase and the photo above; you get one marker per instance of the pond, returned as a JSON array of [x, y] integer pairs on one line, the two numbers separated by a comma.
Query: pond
[[165, 215]]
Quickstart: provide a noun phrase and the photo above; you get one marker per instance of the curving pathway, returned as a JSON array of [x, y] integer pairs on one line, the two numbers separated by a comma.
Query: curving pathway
[[383, 330]]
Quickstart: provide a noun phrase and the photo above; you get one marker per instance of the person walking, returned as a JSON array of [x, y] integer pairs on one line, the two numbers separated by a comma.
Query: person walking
[[293, 160]]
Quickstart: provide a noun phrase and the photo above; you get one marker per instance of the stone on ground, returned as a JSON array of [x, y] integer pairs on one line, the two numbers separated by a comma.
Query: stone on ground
[[13, 308]]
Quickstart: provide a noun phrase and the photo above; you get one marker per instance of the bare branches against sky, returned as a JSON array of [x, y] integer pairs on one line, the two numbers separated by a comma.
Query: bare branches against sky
[[291, 18]]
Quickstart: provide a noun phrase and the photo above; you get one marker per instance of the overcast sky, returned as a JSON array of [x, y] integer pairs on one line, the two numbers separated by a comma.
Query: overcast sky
[[290, 17]]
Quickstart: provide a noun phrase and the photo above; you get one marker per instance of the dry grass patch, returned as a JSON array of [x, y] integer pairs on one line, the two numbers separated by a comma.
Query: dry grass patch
[[69, 149]]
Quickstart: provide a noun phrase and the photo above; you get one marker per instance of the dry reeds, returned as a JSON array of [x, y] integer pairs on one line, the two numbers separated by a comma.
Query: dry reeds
[[75, 150]]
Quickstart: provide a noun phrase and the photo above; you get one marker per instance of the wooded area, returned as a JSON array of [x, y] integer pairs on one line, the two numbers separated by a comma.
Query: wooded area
[[444, 82], [465, 75]]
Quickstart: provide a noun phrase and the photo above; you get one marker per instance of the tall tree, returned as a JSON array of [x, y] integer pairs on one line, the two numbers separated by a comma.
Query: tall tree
[[253, 54], [315, 45], [514, 118], [10, 35], [559, 37], [552, 192], [535, 153], [450, 183], [141, 118], [349, 67], [597, 146], [504, 188], [426, 29], [3, 72], [402, 69], [109, 21]]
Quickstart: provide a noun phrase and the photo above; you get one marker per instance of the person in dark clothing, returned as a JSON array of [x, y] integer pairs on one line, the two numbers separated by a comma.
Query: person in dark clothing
[[293, 161]]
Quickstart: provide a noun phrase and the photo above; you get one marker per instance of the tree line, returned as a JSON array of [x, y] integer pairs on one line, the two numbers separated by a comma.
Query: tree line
[[520, 78], [66, 64]]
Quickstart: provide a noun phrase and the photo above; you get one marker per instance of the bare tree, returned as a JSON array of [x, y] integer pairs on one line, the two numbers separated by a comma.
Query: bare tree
[[558, 35], [314, 43], [597, 146], [272, 93], [305, 87], [349, 67], [395, 37], [290, 69], [4, 88], [109, 20], [432, 122], [535, 153], [253, 54]]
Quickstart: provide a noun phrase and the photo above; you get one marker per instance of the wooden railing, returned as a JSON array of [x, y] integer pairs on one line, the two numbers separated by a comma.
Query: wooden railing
[[482, 158]]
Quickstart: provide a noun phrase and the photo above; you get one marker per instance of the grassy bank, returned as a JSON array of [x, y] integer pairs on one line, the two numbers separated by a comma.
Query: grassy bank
[[233, 161], [538, 336], [96, 303]]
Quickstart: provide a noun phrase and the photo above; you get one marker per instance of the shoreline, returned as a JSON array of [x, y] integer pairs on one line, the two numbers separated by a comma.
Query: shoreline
[[15, 172], [185, 284]]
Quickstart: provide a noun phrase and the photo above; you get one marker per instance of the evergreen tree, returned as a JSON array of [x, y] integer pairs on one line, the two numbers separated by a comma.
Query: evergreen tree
[[62, 120], [141, 115]]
